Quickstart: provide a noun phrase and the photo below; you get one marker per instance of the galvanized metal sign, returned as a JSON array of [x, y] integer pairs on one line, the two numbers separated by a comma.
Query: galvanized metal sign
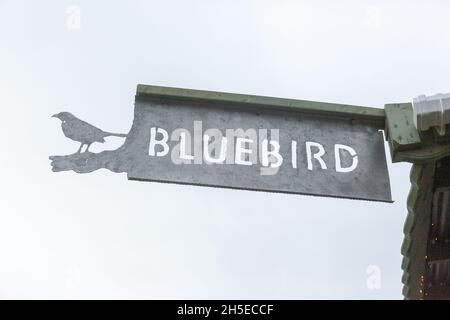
[[236, 142]]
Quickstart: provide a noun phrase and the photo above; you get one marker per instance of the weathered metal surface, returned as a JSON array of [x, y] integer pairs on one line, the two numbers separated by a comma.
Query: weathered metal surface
[[353, 163], [368, 181], [81, 131]]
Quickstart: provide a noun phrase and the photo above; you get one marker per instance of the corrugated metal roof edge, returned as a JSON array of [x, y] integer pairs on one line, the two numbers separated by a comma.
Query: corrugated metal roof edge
[[416, 230]]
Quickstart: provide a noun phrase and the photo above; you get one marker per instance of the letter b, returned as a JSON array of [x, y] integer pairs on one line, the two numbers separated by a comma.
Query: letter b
[[154, 142]]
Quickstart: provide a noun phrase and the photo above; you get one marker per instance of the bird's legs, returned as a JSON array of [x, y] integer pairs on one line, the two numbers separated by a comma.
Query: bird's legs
[[87, 149], [81, 147]]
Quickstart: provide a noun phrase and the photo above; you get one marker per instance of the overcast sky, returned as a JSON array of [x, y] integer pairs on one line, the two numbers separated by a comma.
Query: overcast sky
[[98, 235]]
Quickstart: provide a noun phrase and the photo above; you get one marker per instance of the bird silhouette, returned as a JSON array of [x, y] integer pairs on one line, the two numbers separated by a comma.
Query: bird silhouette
[[83, 132]]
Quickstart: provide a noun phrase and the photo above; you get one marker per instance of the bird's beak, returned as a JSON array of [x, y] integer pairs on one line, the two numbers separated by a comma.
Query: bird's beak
[[55, 116]]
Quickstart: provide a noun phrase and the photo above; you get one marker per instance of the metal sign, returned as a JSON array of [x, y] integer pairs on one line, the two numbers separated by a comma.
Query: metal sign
[[242, 142]]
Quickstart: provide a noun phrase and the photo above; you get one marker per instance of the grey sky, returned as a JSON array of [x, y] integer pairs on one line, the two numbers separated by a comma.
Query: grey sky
[[100, 236]]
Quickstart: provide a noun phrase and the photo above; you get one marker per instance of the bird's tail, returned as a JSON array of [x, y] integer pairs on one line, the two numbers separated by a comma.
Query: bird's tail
[[121, 135]]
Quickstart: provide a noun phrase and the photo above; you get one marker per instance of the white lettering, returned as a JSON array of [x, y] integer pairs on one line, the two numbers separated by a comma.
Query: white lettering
[[294, 154], [154, 142], [222, 154], [318, 156], [275, 153], [240, 150], [337, 157]]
